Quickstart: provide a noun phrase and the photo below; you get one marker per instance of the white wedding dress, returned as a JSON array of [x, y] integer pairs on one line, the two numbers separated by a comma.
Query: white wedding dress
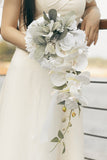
[[29, 118]]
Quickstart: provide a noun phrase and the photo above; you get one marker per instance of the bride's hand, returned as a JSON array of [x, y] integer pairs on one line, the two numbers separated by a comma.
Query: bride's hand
[[90, 24]]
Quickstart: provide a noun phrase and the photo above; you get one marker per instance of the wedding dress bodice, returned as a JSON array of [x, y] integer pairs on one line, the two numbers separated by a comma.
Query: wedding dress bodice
[[62, 6]]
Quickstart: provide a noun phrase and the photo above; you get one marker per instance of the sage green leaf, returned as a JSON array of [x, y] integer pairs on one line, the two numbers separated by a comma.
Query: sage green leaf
[[68, 71], [55, 35], [63, 148], [52, 14], [61, 87], [39, 52], [39, 40], [60, 134], [63, 34], [55, 139], [45, 29], [79, 103], [50, 48], [63, 103], [45, 17], [56, 26]]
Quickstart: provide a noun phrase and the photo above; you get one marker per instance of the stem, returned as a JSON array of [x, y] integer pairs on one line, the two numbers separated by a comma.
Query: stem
[[64, 132], [55, 146], [68, 122]]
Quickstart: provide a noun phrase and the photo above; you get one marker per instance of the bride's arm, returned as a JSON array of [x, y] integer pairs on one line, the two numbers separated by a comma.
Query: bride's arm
[[9, 32], [90, 24]]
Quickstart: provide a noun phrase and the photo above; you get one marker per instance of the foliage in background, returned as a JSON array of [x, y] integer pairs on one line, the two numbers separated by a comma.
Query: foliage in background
[[97, 62], [6, 51]]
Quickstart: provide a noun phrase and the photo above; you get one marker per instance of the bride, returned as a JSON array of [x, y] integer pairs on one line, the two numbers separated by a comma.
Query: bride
[[25, 97]]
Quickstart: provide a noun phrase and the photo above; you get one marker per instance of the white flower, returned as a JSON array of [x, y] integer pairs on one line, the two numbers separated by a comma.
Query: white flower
[[80, 37], [64, 45], [73, 26], [80, 62], [71, 103], [82, 100], [84, 78], [57, 78], [78, 80], [62, 96]]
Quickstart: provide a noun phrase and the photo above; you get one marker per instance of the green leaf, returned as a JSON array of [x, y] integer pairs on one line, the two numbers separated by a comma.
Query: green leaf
[[39, 52], [56, 26], [52, 14], [63, 148], [55, 35], [60, 134], [78, 72], [68, 71], [55, 139], [45, 17], [63, 102], [61, 87], [39, 40], [79, 103], [63, 34], [45, 29]]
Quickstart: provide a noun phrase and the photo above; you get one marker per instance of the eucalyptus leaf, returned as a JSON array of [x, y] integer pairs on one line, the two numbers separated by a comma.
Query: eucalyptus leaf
[[39, 40], [63, 34], [39, 52], [55, 35], [60, 134], [40, 30], [56, 26], [45, 29], [55, 139], [45, 17], [52, 14]]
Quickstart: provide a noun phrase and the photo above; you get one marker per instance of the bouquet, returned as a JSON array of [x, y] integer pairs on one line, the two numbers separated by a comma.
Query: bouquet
[[58, 45]]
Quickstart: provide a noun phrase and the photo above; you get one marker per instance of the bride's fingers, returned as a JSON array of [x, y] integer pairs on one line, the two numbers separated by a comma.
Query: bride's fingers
[[87, 32], [90, 36], [93, 36], [83, 26], [96, 38]]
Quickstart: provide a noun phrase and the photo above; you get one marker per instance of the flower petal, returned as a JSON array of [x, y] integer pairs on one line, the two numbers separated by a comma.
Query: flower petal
[[58, 79]]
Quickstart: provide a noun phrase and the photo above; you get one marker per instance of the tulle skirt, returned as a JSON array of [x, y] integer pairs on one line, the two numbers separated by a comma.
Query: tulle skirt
[[29, 118]]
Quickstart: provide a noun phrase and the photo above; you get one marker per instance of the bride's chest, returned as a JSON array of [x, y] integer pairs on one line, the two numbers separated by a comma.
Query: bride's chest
[[62, 6]]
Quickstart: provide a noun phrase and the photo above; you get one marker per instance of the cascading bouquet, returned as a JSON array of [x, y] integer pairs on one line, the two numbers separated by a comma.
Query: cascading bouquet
[[58, 45]]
